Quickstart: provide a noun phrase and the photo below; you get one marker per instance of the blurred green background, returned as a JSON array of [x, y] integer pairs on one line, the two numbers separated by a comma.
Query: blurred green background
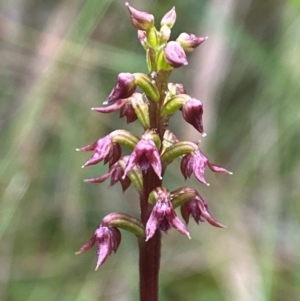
[[60, 58]]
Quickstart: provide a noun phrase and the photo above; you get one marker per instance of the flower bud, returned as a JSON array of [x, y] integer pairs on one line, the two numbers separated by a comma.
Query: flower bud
[[142, 36], [124, 88], [192, 112], [165, 33], [140, 20], [189, 41], [169, 18], [175, 55], [176, 88]]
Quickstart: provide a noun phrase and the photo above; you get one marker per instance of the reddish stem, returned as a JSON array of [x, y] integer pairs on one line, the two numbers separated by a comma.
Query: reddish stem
[[149, 251]]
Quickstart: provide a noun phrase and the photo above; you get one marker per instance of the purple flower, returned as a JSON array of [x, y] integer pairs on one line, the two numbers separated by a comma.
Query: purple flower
[[163, 215], [189, 41], [124, 87], [107, 240], [176, 88], [116, 174], [169, 18], [145, 154], [140, 20], [128, 111], [142, 36], [125, 107], [175, 55], [104, 149], [196, 162], [197, 208], [192, 112]]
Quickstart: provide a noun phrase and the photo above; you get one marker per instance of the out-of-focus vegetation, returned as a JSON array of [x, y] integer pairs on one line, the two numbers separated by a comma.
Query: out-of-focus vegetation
[[60, 58]]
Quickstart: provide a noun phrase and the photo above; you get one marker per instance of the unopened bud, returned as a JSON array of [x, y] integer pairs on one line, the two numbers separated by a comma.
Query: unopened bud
[[140, 20], [175, 55], [169, 18], [165, 33], [189, 41], [124, 87]]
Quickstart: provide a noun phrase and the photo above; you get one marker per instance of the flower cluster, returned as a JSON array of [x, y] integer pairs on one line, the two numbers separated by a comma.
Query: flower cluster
[[158, 147]]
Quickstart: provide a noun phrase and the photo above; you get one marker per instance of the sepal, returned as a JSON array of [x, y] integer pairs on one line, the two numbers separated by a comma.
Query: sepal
[[116, 173], [125, 107]]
